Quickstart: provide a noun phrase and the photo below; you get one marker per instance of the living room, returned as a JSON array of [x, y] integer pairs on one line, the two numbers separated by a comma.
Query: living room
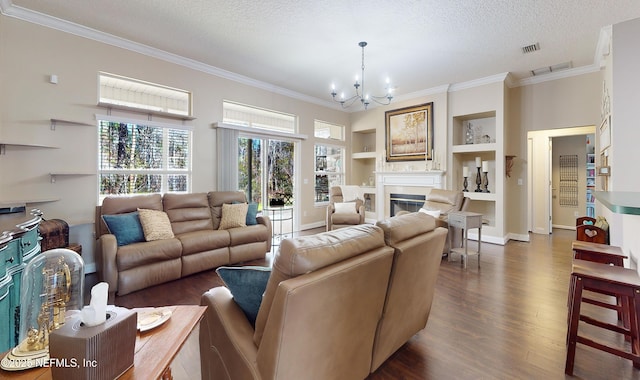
[[31, 51]]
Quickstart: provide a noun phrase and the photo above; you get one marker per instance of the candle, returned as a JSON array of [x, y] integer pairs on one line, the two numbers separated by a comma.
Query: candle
[[478, 162], [485, 166], [465, 171]]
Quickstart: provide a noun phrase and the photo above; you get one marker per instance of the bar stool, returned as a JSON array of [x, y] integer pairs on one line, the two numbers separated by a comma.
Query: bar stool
[[605, 254], [618, 281]]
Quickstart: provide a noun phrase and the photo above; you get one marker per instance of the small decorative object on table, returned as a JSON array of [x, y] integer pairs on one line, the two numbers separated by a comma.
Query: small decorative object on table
[[478, 175], [465, 174], [485, 181]]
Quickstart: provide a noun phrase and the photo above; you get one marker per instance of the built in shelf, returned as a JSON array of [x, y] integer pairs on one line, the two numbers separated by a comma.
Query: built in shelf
[[491, 197], [147, 112], [4, 144], [27, 201], [363, 155], [473, 148], [621, 202], [68, 174]]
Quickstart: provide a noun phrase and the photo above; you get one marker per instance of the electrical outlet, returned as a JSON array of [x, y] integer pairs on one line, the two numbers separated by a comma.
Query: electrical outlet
[[305, 181], [304, 213], [576, 213], [519, 181]]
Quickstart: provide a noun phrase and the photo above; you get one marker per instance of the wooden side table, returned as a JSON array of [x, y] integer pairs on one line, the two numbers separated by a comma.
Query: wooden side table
[[154, 351], [465, 220]]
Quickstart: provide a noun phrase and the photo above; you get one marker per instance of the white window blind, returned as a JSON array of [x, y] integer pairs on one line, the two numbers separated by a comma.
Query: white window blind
[[254, 117], [121, 91]]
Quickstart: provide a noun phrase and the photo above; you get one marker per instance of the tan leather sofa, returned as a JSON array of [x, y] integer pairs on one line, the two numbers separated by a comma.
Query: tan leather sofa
[[334, 307], [198, 245]]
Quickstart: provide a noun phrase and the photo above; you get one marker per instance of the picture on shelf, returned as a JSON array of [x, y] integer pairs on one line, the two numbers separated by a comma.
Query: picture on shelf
[[409, 133]]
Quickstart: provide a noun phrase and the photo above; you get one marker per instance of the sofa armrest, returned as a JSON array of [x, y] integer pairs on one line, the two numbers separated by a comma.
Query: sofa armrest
[[227, 350], [266, 221], [106, 251]]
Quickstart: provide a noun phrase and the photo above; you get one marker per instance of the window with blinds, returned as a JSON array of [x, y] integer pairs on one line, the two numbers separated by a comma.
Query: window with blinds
[[254, 117], [127, 92], [139, 157]]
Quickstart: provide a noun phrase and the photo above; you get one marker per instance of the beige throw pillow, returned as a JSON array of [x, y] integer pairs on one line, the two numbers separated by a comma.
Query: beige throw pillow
[[233, 215], [345, 207], [155, 224]]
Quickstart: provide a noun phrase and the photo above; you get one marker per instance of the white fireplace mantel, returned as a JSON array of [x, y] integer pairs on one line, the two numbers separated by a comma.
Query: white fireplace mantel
[[431, 178]]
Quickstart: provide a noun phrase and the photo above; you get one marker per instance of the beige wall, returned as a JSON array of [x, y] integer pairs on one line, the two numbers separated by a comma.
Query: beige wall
[[30, 53], [563, 103]]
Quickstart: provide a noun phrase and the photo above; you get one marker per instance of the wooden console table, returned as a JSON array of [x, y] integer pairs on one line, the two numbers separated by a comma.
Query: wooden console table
[[154, 352]]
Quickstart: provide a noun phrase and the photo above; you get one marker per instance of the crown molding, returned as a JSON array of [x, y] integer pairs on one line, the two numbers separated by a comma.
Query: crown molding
[[10, 10], [7, 8], [478, 82]]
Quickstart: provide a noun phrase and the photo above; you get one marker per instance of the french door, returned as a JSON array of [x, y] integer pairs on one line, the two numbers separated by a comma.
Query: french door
[[266, 170]]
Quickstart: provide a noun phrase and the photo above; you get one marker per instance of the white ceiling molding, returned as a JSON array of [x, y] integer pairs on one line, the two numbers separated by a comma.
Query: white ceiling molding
[[7, 8]]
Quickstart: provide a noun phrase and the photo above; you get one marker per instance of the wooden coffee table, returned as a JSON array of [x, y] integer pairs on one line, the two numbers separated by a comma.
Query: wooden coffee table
[[155, 349]]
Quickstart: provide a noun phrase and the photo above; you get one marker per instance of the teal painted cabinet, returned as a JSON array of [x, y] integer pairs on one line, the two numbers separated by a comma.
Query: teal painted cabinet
[[18, 247]]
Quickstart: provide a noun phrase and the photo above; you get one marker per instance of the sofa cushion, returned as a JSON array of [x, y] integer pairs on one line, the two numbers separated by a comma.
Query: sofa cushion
[[309, 253], [248, 234], [145, 253], [155, 224], [118, 204], [218, 198], [247, 285], [233, 215], [126, 227], [188, 212], [341, 218], [203, 241], [406, 226]]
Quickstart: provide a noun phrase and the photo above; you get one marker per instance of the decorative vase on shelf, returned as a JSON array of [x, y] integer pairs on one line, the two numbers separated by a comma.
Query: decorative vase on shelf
[[469, 134]]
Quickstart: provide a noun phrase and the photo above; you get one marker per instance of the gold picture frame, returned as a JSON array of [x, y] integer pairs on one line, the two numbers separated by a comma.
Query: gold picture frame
[[409, 133]]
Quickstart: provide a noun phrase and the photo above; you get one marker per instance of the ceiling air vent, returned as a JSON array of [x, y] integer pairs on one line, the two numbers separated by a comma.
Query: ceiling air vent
[[530, 48]]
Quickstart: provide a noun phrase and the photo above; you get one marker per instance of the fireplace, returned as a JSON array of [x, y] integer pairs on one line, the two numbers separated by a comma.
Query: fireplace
[[405, 202], [410, 187]]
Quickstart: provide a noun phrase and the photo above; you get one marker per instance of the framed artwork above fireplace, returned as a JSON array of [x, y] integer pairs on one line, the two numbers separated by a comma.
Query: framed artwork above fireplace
[[409, 133]]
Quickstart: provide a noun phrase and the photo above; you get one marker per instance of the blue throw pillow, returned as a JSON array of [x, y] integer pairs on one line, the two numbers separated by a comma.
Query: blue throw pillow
[[251, 214], [247, 285], [126, 227]]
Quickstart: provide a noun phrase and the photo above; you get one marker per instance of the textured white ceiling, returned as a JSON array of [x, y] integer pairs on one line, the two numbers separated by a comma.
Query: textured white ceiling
[[304, 45]]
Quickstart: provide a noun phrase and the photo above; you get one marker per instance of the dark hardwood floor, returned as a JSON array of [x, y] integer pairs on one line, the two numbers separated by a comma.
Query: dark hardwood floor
[[505, 320]]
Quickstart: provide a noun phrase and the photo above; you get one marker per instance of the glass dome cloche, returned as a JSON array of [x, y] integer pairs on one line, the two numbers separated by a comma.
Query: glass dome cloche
[[52, 287]]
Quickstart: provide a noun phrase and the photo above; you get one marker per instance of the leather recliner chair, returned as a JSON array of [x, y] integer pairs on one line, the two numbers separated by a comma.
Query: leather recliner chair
[[318, 316], [338, 220]]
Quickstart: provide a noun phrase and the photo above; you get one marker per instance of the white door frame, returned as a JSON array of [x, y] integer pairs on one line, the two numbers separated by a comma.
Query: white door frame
[[539, 174]]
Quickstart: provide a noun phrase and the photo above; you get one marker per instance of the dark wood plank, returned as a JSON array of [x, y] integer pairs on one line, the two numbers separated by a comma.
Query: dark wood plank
[[505, 320]]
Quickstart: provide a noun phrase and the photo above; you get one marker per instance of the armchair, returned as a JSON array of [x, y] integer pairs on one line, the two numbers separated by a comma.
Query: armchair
[[445, 201], [343, 219]]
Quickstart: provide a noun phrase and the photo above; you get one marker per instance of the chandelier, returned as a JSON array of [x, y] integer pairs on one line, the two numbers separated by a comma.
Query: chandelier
[[360, 94]]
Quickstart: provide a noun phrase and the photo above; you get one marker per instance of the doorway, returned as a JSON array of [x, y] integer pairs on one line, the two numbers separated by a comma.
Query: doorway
[[540, 168]]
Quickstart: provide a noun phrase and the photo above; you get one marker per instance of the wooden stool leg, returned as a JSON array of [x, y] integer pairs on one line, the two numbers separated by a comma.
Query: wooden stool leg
[[634, 315], [574, 318]]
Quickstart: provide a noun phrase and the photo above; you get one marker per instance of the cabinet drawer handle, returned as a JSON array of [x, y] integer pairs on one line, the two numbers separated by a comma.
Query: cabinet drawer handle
[[10, 260]]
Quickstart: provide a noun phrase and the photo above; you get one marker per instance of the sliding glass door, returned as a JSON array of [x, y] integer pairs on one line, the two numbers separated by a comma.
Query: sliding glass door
[[266, 170]]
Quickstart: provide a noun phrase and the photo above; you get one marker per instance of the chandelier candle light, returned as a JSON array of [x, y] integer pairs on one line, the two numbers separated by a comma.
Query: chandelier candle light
[[360, 94]]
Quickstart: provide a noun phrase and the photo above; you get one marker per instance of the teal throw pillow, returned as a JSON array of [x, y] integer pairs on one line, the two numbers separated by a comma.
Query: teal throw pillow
[[251, 214], [126, 227], [247, 285]]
